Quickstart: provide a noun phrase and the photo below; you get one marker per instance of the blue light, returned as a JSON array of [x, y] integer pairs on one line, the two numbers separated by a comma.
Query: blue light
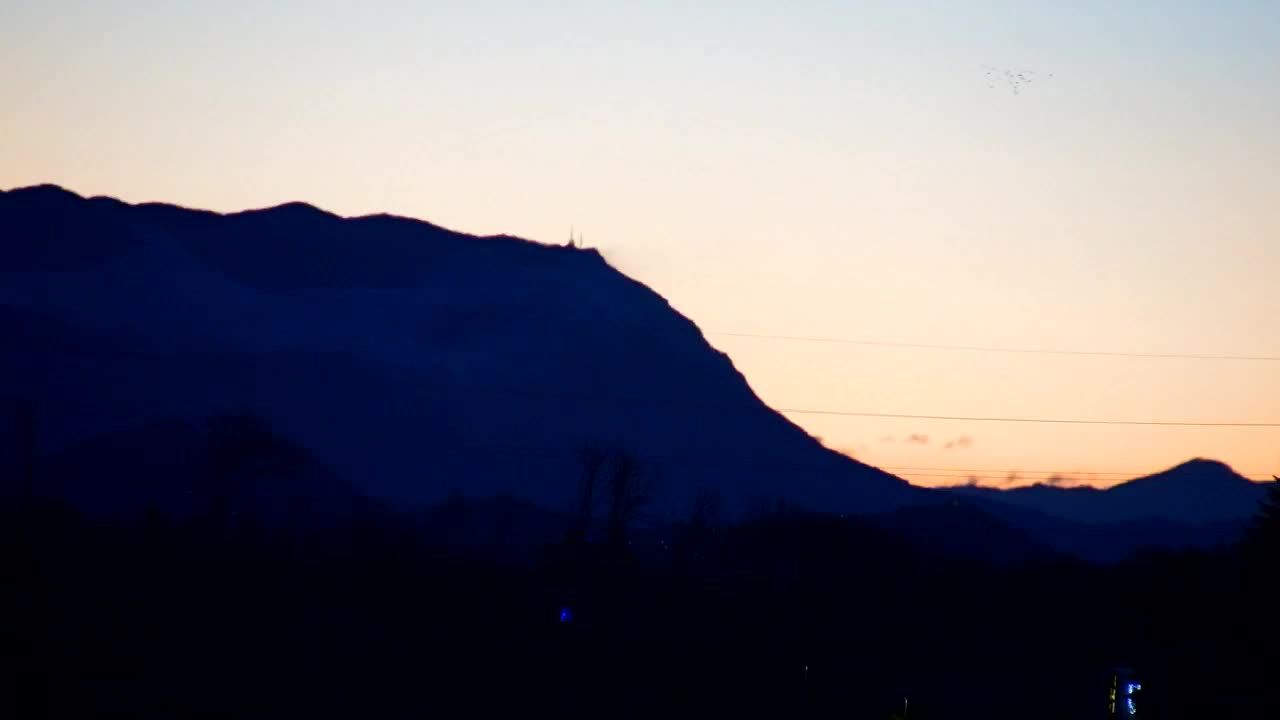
[[566, 615]]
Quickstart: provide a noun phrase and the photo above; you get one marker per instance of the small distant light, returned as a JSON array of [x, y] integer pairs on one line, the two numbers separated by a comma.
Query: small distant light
[[566, 615]]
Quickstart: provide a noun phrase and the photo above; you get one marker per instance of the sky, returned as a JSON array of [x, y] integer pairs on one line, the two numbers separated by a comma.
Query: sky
[[845, 170]]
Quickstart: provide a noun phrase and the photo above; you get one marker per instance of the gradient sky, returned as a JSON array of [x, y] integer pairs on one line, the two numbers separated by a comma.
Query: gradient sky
[[834, 169]]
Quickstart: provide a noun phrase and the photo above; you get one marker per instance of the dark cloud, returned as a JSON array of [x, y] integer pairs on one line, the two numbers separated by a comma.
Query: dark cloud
[[855, 451], [1060, 481], [961, 443], [918, 439]]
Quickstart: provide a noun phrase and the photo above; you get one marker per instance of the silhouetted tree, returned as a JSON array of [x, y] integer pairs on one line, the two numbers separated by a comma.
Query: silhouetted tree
[[707, 504], [242, 450], [591, 458], [763, 508], [1264, 534], [629, 492]]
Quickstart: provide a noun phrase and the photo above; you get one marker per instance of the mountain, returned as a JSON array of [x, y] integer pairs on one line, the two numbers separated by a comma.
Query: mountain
[[165, 467], [1198, 504], [1197, 492], [415, 362]]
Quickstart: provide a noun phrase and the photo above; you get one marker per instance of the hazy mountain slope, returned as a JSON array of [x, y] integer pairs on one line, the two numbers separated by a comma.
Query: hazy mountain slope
[[413, 360], [1112, 541], [962, 529], [164, 466]]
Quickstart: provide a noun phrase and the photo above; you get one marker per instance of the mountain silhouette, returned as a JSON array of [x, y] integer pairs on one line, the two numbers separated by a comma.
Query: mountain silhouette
[[1197, 504], [1196, 492], [414, 361], [119, 477]]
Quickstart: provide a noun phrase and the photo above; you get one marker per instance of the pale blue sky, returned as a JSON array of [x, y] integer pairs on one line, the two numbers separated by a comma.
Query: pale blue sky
[[835, 169]]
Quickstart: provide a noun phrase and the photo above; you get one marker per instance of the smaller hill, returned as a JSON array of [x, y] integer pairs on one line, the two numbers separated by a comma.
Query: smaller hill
[[1196, 493], [233, 465]]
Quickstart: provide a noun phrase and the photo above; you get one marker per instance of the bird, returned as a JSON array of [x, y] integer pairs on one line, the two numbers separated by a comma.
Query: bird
[[1014, 80]]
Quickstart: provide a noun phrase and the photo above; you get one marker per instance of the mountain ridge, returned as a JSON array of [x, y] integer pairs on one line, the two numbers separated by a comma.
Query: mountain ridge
[[417, 362], [191, 313], [1195, 492]]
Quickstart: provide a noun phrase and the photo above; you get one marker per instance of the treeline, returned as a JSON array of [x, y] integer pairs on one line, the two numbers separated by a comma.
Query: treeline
[[387, 614]]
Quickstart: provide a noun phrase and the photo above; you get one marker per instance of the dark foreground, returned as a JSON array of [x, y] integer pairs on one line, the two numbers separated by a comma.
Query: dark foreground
[[791, 616]]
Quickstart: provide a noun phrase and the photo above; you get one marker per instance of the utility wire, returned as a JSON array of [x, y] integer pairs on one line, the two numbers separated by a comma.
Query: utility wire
[[994, 471], [914, 471], [569, 453], [1061, 421], [653, 401], [982, 348], [1064, 476], [998, 470]]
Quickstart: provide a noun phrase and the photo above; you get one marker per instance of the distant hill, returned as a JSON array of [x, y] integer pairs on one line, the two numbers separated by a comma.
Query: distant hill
[[1198, 504], [415, 362], [1197, 492], [167, 467]]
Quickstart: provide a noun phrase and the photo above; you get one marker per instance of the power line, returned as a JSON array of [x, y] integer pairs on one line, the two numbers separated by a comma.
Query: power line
[[567, 453], [997, 470], [1032, 479], [1119, 479], [983, 348], [1124, 473], [1060, 421], [734, 408]]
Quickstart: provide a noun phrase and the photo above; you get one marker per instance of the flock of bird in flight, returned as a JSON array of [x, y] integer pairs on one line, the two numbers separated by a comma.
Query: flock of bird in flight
[[1013, 79]]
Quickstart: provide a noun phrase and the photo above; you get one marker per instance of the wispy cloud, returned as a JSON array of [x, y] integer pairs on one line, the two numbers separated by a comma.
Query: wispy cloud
[[961, 443], [918, 439]]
